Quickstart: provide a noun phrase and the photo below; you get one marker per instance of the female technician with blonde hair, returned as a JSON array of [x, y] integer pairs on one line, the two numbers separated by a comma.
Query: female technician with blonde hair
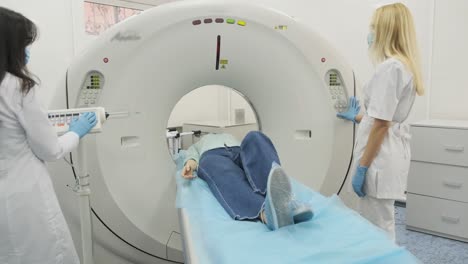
[[382, 154]]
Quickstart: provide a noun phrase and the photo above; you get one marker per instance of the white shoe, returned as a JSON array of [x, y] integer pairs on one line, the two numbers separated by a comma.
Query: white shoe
[[278, 199]]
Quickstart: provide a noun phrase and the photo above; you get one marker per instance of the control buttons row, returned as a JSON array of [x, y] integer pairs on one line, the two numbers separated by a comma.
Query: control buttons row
[[90, 92], [89, 101], [334, 81], [219, 20], [336, 92], [95, 82], [341, 105], [89, 96], [62, 119]]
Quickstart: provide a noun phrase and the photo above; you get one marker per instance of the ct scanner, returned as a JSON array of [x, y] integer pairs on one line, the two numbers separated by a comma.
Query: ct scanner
[[139, 69]]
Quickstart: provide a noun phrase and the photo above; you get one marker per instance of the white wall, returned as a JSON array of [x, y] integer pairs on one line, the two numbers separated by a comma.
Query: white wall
[[202, 104], [238, 101], [343, 22], [212, 103], [449, 96], [423, 15]]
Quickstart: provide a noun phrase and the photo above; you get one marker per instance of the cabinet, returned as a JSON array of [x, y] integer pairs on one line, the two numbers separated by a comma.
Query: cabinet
[[437, 200]]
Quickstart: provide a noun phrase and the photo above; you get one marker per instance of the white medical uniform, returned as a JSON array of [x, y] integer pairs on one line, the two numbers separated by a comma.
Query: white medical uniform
[[389, 96], [32, 227]]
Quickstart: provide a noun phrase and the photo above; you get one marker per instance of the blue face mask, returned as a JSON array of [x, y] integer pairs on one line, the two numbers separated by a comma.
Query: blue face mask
[[28, 55], [370, 38]]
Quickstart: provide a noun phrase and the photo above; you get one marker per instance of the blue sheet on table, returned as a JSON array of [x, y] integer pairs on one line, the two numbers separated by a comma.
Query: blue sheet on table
[[335, 235]]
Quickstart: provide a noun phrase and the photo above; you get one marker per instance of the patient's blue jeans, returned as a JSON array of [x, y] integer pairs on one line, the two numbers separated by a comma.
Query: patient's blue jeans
[[238, 176]]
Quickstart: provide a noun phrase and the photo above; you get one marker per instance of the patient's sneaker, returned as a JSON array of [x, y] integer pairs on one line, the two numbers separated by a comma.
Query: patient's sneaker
[[278, 199], [301, 212]]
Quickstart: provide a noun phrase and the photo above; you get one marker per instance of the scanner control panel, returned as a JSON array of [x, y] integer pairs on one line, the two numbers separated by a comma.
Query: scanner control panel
[[61, 119], [337, 90], [91, 89]]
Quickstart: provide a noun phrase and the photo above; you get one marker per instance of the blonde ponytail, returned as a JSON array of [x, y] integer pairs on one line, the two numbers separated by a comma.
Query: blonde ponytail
[[395, 37]]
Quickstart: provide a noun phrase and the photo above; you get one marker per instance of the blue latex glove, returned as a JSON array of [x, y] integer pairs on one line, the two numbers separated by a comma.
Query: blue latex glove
[[353, 110], [359, 179], [82, 125]]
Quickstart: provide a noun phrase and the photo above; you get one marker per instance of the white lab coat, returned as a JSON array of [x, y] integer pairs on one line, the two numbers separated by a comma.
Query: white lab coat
[[32, 226], [389, 95]]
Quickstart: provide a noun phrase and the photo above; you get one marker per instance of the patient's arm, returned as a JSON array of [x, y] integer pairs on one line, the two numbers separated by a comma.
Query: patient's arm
[[193, 153], [191, 160], [189, 168]]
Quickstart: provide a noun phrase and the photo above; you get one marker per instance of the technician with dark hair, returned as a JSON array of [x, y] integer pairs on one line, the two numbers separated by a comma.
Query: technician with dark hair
[[32, 226]]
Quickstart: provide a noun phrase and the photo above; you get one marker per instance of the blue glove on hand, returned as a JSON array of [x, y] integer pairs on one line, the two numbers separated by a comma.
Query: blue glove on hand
[[82, 125], [359, 179], [353, 110]]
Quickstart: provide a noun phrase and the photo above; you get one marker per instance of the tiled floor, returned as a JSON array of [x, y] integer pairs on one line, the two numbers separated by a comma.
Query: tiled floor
[[429, 249]]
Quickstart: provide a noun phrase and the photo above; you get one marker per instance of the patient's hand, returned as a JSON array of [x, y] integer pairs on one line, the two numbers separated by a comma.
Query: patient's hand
[[187, 171]]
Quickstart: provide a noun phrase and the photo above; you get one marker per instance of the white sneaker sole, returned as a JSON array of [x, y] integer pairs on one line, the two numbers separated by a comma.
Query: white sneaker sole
[[279, 193]]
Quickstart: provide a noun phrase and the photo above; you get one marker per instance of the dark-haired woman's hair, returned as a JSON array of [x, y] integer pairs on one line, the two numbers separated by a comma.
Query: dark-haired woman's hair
[[16, 33]]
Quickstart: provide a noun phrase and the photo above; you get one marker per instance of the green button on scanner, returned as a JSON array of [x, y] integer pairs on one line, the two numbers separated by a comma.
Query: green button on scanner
[[230, 21]]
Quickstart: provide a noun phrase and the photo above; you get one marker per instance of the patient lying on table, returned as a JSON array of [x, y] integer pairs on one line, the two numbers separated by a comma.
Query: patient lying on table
[[243, 180]]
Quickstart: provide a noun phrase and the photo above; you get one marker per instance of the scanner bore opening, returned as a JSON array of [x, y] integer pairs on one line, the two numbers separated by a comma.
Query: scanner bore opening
[[209, 109]]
